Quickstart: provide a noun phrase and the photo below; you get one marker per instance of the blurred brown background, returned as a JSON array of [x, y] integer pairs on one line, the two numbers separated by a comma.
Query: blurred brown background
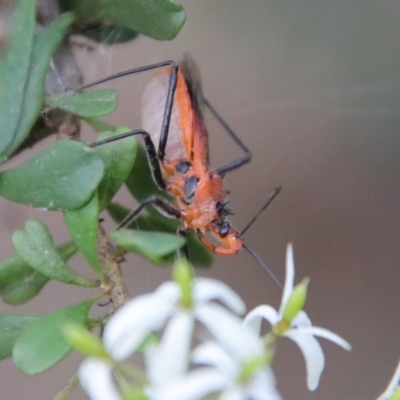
[[313, 88]]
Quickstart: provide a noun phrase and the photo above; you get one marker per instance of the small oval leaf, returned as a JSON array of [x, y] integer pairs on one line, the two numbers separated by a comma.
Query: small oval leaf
[[62, 177], [158, 19], [155, 246], [94, 103], [14, 70], [19, 282], [36, 247], [118, 158], [46, 43], [43, 345], [11, 328], [82, 224], [21, 291]]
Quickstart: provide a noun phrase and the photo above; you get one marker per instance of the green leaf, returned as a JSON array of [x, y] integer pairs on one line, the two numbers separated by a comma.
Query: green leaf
[[99, 125], [89, 104], [155, 246], [158, 19], [82, 224], [21, 291], [43, 344], [63, 176], [19, 282], [103, 33], [36, 247], [14, 70], [118, 158], [11, 328], [45, 44]]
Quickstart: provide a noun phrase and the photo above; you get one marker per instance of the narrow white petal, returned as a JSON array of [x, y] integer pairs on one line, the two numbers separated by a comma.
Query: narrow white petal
[[170, 359], [128, 328], [312, 353], [96, 379], [254, 318], [210, 353], [194, 386], [131, 324], [229, 332], [263, 386], [301, 320], [326, 334], [169, 291], [393, 384], [289, 278], [206, 290]]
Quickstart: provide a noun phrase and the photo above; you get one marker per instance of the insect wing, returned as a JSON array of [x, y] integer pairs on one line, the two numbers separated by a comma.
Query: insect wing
[[180, 137]]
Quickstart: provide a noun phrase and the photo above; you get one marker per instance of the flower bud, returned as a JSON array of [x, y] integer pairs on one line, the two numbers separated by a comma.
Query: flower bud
[[296, 301], [183, 276], [84, 341]]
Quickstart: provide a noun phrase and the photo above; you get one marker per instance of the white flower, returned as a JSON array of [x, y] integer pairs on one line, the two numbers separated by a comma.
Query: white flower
[[393, 385], [236, 367], [239, 378], [300, 329], [168, 361], [128, 328]]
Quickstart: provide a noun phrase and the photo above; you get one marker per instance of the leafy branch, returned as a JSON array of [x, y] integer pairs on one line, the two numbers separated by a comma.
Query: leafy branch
[[68, 176]]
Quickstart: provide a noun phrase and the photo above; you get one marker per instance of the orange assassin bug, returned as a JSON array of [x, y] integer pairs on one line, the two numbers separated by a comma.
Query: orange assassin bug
[[173, 117]]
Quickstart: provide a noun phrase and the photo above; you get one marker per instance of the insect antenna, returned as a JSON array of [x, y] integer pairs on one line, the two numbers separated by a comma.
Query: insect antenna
[[266, 268], [274, 193]]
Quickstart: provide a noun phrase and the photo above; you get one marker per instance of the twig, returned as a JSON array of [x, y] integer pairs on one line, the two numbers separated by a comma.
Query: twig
[[110, 261], [69, 388]]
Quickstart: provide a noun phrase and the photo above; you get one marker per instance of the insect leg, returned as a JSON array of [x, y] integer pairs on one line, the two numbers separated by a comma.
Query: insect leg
[[169, 101], [167, 112], [158, 202], [224, 251], [239, 161], [128, 72], [150, 150]]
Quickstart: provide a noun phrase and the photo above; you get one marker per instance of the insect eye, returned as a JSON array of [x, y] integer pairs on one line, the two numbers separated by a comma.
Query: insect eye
[[189, 188], [219, 205], [222, 209]]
